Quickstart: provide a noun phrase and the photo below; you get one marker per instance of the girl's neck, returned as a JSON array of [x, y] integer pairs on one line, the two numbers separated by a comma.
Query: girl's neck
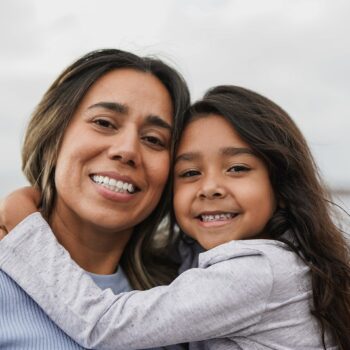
[[92, 248]]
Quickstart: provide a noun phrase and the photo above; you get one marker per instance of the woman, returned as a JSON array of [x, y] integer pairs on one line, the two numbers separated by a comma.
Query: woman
[[98, 148]]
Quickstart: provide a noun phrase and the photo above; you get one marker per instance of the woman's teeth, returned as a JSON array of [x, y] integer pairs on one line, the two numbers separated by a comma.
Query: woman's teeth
[[217, 217], [113, 184]]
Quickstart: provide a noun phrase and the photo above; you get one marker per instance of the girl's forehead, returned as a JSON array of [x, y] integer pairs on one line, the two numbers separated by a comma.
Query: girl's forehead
[[210, 131]]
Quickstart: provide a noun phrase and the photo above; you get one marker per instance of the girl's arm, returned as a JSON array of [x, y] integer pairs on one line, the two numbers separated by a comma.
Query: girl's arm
[[225, 296]]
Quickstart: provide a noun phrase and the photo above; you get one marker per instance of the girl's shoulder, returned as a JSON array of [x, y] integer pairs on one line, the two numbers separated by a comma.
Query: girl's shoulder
[[265, 256], [269, 266], [270, 249]]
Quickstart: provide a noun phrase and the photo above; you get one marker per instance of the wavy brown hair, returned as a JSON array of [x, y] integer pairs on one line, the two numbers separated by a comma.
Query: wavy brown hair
[[305, 208], [145, 265]]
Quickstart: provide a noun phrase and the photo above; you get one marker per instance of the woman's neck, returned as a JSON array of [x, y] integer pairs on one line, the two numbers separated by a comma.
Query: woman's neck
[[92, 248]]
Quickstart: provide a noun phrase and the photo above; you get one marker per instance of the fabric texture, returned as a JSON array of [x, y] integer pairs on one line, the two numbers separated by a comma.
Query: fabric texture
[[24, 325], [252, 294]]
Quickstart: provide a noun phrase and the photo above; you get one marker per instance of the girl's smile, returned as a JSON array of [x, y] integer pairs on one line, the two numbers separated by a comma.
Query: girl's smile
[[216, 218], [222, 189]]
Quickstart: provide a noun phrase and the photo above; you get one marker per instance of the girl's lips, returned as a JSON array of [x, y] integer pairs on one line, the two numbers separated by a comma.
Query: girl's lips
[[213, 219], [216, 216]]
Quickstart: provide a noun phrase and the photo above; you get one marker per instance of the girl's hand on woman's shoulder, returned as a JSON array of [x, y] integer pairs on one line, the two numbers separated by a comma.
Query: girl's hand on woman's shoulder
[[3, 232], [16, 207]]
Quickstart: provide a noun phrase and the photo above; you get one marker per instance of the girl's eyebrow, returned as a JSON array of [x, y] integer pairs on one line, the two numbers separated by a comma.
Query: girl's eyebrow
[[188, 156], [233, 151], [227, 151]]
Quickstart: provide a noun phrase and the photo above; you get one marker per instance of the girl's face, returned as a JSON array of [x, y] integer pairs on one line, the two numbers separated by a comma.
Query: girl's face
[[114, 158], [222, 190]]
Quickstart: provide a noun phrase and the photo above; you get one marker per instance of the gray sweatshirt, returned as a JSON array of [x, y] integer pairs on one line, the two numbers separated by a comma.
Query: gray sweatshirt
[[252, 294]]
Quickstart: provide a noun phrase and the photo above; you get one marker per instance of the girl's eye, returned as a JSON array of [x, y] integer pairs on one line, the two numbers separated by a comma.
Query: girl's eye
[[155, 141], [190, 173], [104, 123], [238, 169]]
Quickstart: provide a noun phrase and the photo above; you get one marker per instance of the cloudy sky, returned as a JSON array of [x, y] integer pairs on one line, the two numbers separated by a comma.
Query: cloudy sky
[[296, 52]]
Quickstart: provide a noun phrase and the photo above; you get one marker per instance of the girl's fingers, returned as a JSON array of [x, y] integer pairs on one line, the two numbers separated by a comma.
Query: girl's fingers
[[3, 232]]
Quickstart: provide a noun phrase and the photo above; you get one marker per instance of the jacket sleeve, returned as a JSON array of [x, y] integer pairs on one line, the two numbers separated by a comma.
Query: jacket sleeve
[[221, 300]]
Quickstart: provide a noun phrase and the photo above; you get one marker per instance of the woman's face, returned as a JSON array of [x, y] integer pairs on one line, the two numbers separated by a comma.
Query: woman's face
[[114, 159], [222, 189]]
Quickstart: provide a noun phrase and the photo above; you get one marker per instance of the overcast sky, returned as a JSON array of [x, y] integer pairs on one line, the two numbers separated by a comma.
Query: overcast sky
[[295, 52]]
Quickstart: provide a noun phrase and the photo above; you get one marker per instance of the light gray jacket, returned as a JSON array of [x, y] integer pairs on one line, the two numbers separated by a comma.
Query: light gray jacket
[[252, 294]]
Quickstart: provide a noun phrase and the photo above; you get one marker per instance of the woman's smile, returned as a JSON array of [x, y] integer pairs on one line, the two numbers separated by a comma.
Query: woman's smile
[[115, 187], [115, 182]]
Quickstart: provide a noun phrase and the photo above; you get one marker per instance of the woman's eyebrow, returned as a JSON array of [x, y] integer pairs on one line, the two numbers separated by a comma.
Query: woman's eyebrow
[[123, 109], [154, 120], [113, 106]]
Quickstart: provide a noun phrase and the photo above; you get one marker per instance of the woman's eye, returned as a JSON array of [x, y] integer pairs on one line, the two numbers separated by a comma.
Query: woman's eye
[[190, 173], [238, 169], [154, 141], [104, 123]]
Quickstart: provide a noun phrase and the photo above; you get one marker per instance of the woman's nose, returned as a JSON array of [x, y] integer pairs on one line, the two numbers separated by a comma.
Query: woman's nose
[[125, 147]]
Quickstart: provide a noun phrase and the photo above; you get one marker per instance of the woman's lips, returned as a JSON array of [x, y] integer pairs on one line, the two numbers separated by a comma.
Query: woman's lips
[[113, 189], [114, 184]]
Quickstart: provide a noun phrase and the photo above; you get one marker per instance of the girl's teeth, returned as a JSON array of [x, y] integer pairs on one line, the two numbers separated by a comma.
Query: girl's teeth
[[216, 217], [113, 184]]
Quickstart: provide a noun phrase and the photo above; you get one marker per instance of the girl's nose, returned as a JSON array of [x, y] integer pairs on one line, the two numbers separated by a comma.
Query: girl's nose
[[212, 188]]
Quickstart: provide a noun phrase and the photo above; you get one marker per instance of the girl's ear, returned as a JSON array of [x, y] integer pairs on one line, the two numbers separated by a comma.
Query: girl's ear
[[281, 204]]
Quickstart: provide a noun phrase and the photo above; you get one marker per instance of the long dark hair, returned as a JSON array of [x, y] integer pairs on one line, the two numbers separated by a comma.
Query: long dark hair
[[305, 208], [48, 124]]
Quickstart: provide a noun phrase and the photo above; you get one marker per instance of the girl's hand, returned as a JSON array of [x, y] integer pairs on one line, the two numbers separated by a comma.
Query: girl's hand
[[3, 232], [17, 206]]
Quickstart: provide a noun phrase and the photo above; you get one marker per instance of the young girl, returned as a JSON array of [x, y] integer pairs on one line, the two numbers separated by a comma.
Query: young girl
[[275, 271]]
